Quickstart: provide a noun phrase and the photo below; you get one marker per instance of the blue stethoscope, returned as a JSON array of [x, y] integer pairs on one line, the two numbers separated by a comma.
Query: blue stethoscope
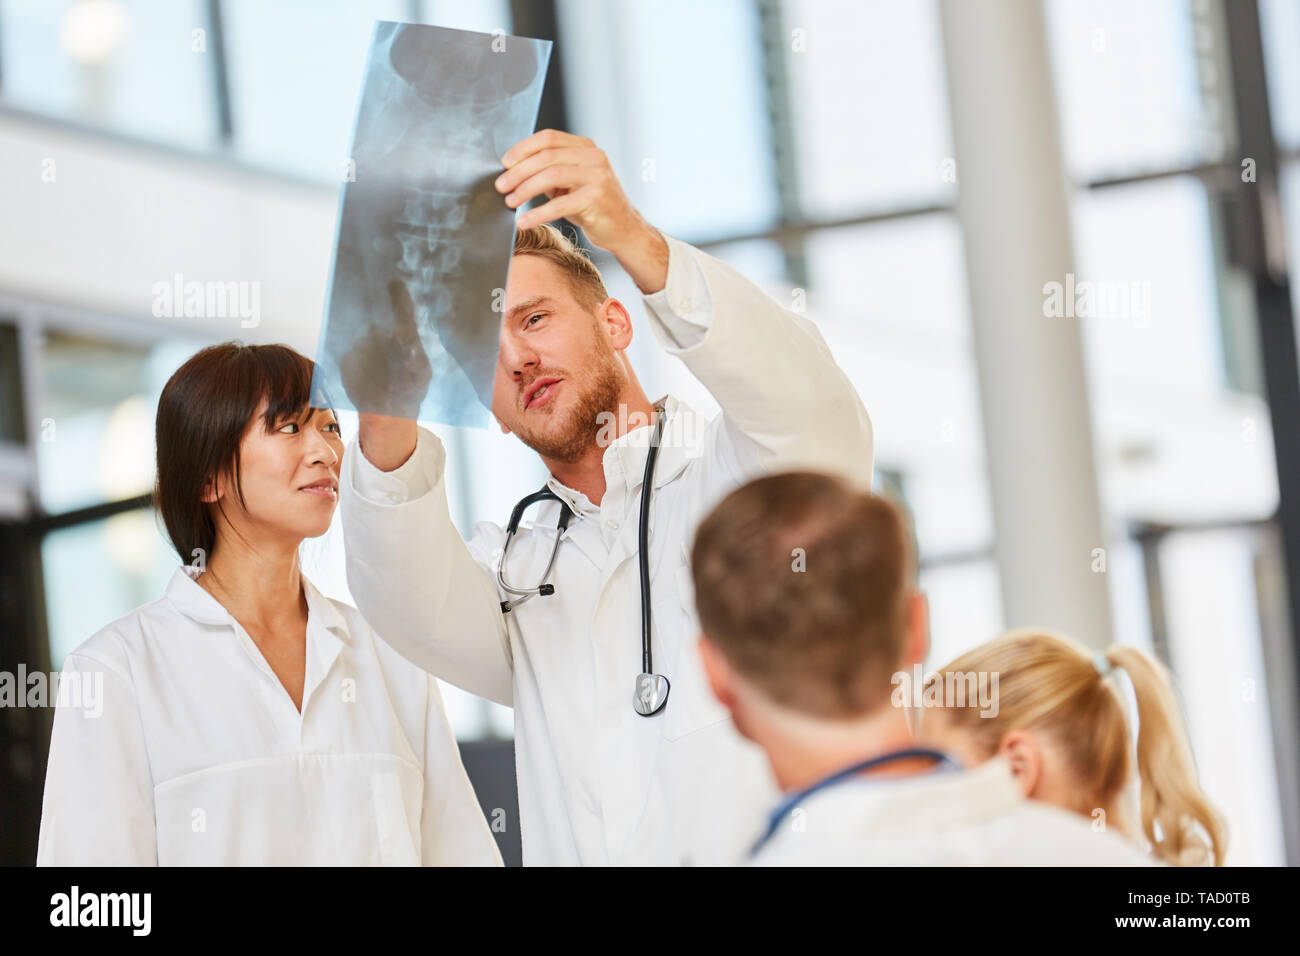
[[943, 763], [651, 692]]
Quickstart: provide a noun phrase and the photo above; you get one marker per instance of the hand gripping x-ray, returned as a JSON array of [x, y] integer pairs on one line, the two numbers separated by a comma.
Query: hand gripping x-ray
[[413, 314]]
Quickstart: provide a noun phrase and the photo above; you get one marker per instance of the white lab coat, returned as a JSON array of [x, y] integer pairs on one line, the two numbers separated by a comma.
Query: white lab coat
[[199, 756], [598, 783], [976, 817]]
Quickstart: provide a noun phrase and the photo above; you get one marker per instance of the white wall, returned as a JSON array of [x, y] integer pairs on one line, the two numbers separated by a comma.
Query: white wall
[[119, 217]]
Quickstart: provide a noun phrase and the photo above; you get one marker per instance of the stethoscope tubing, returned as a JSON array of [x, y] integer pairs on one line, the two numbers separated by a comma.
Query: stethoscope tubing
[[944, 762], [643, 547]]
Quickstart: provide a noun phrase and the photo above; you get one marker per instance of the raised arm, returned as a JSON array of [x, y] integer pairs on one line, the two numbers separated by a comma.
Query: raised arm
[[785, 402], [412, 575]]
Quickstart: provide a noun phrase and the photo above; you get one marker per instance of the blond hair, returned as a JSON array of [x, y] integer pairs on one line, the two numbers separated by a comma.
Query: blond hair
[[1052, 684], [549, 243]]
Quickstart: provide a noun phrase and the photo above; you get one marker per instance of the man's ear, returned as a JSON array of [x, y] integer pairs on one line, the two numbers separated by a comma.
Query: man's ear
[[616, 323], [1021, 752], [717, 672]]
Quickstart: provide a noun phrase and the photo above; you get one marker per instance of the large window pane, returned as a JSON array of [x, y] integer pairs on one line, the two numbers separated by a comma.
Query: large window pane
[[1214, 643], [484, 16], [97, 572], [890, 299], [1129, 88], [142, 67], [1175, 444], [964, 605], [870, 111], [673, 92], [96, 417], [295, 78], [1280, 27]]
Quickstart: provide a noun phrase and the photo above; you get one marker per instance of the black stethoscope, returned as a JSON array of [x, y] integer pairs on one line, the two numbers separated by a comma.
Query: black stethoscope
[[651, 692], [943, 763]]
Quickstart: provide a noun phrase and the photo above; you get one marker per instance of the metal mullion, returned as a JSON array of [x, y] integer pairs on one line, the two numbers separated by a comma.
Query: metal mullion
[[776, 86], [1257, 253], [220, 74], [792, 232]]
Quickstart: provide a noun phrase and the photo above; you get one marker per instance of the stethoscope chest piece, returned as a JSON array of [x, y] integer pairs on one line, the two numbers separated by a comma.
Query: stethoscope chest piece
[[651, 694]]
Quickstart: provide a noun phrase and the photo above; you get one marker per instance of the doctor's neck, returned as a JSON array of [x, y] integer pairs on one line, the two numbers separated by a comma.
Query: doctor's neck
[[803, 749], [256, 578], [586, 471]]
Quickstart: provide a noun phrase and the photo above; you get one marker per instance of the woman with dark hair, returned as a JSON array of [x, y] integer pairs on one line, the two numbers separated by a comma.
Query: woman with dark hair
[[244, 718]]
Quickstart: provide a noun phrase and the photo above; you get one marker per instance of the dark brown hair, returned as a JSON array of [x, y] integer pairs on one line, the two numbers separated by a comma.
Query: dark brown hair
[[203, 412], [802, 583]]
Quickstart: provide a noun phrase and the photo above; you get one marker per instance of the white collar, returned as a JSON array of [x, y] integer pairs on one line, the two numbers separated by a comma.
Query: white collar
[[928, 802], [195, 602], [624, 458]]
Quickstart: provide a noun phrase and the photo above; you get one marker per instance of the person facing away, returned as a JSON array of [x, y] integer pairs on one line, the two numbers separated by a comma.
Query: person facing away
[[1060, 726], [243, 718], [807, 608], [598, 782]]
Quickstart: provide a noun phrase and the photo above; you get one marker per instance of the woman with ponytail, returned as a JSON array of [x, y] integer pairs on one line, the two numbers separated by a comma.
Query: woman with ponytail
[[1059, 722]]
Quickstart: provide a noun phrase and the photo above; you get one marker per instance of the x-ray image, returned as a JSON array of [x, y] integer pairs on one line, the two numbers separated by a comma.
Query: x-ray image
[[413, 314]]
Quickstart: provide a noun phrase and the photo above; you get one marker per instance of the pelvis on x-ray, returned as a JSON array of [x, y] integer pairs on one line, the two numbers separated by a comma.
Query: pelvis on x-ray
[[413, 315]]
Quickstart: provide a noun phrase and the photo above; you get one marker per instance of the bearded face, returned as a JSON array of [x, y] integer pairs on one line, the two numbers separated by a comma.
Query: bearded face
[[557, 370], [559, 421]]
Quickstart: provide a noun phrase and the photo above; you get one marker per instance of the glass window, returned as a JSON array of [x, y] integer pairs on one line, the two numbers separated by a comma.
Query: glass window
[[95, 420], [1128, 82], [484, 16], [901, 279], [295, 71], [142, 67], [965, 607], [1214, 644], [1150, 306], [890, 299], [1126, 575], [673, 93], [869, 105], [1174, 444], [1280, 26], [96, 572]]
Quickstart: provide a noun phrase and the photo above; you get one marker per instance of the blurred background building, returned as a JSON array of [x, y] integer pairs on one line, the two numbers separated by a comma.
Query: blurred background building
[[908, 174]]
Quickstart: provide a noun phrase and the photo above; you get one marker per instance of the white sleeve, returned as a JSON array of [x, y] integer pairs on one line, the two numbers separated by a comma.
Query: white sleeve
[[408, 480], [785, 403], [414, 580], [453, 830], [98, 807]]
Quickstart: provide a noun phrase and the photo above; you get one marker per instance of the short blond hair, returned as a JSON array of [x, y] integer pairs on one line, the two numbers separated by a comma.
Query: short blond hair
[[549, 243]]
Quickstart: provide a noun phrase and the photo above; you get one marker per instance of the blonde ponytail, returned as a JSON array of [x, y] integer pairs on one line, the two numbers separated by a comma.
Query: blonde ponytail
[[1049, 683], [1172, 802]]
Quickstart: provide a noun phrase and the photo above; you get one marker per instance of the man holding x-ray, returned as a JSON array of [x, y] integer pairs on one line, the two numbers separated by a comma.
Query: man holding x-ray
[[623, 757]]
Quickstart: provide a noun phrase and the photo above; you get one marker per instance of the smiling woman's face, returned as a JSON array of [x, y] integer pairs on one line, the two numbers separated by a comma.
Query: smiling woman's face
[[289, 475]]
